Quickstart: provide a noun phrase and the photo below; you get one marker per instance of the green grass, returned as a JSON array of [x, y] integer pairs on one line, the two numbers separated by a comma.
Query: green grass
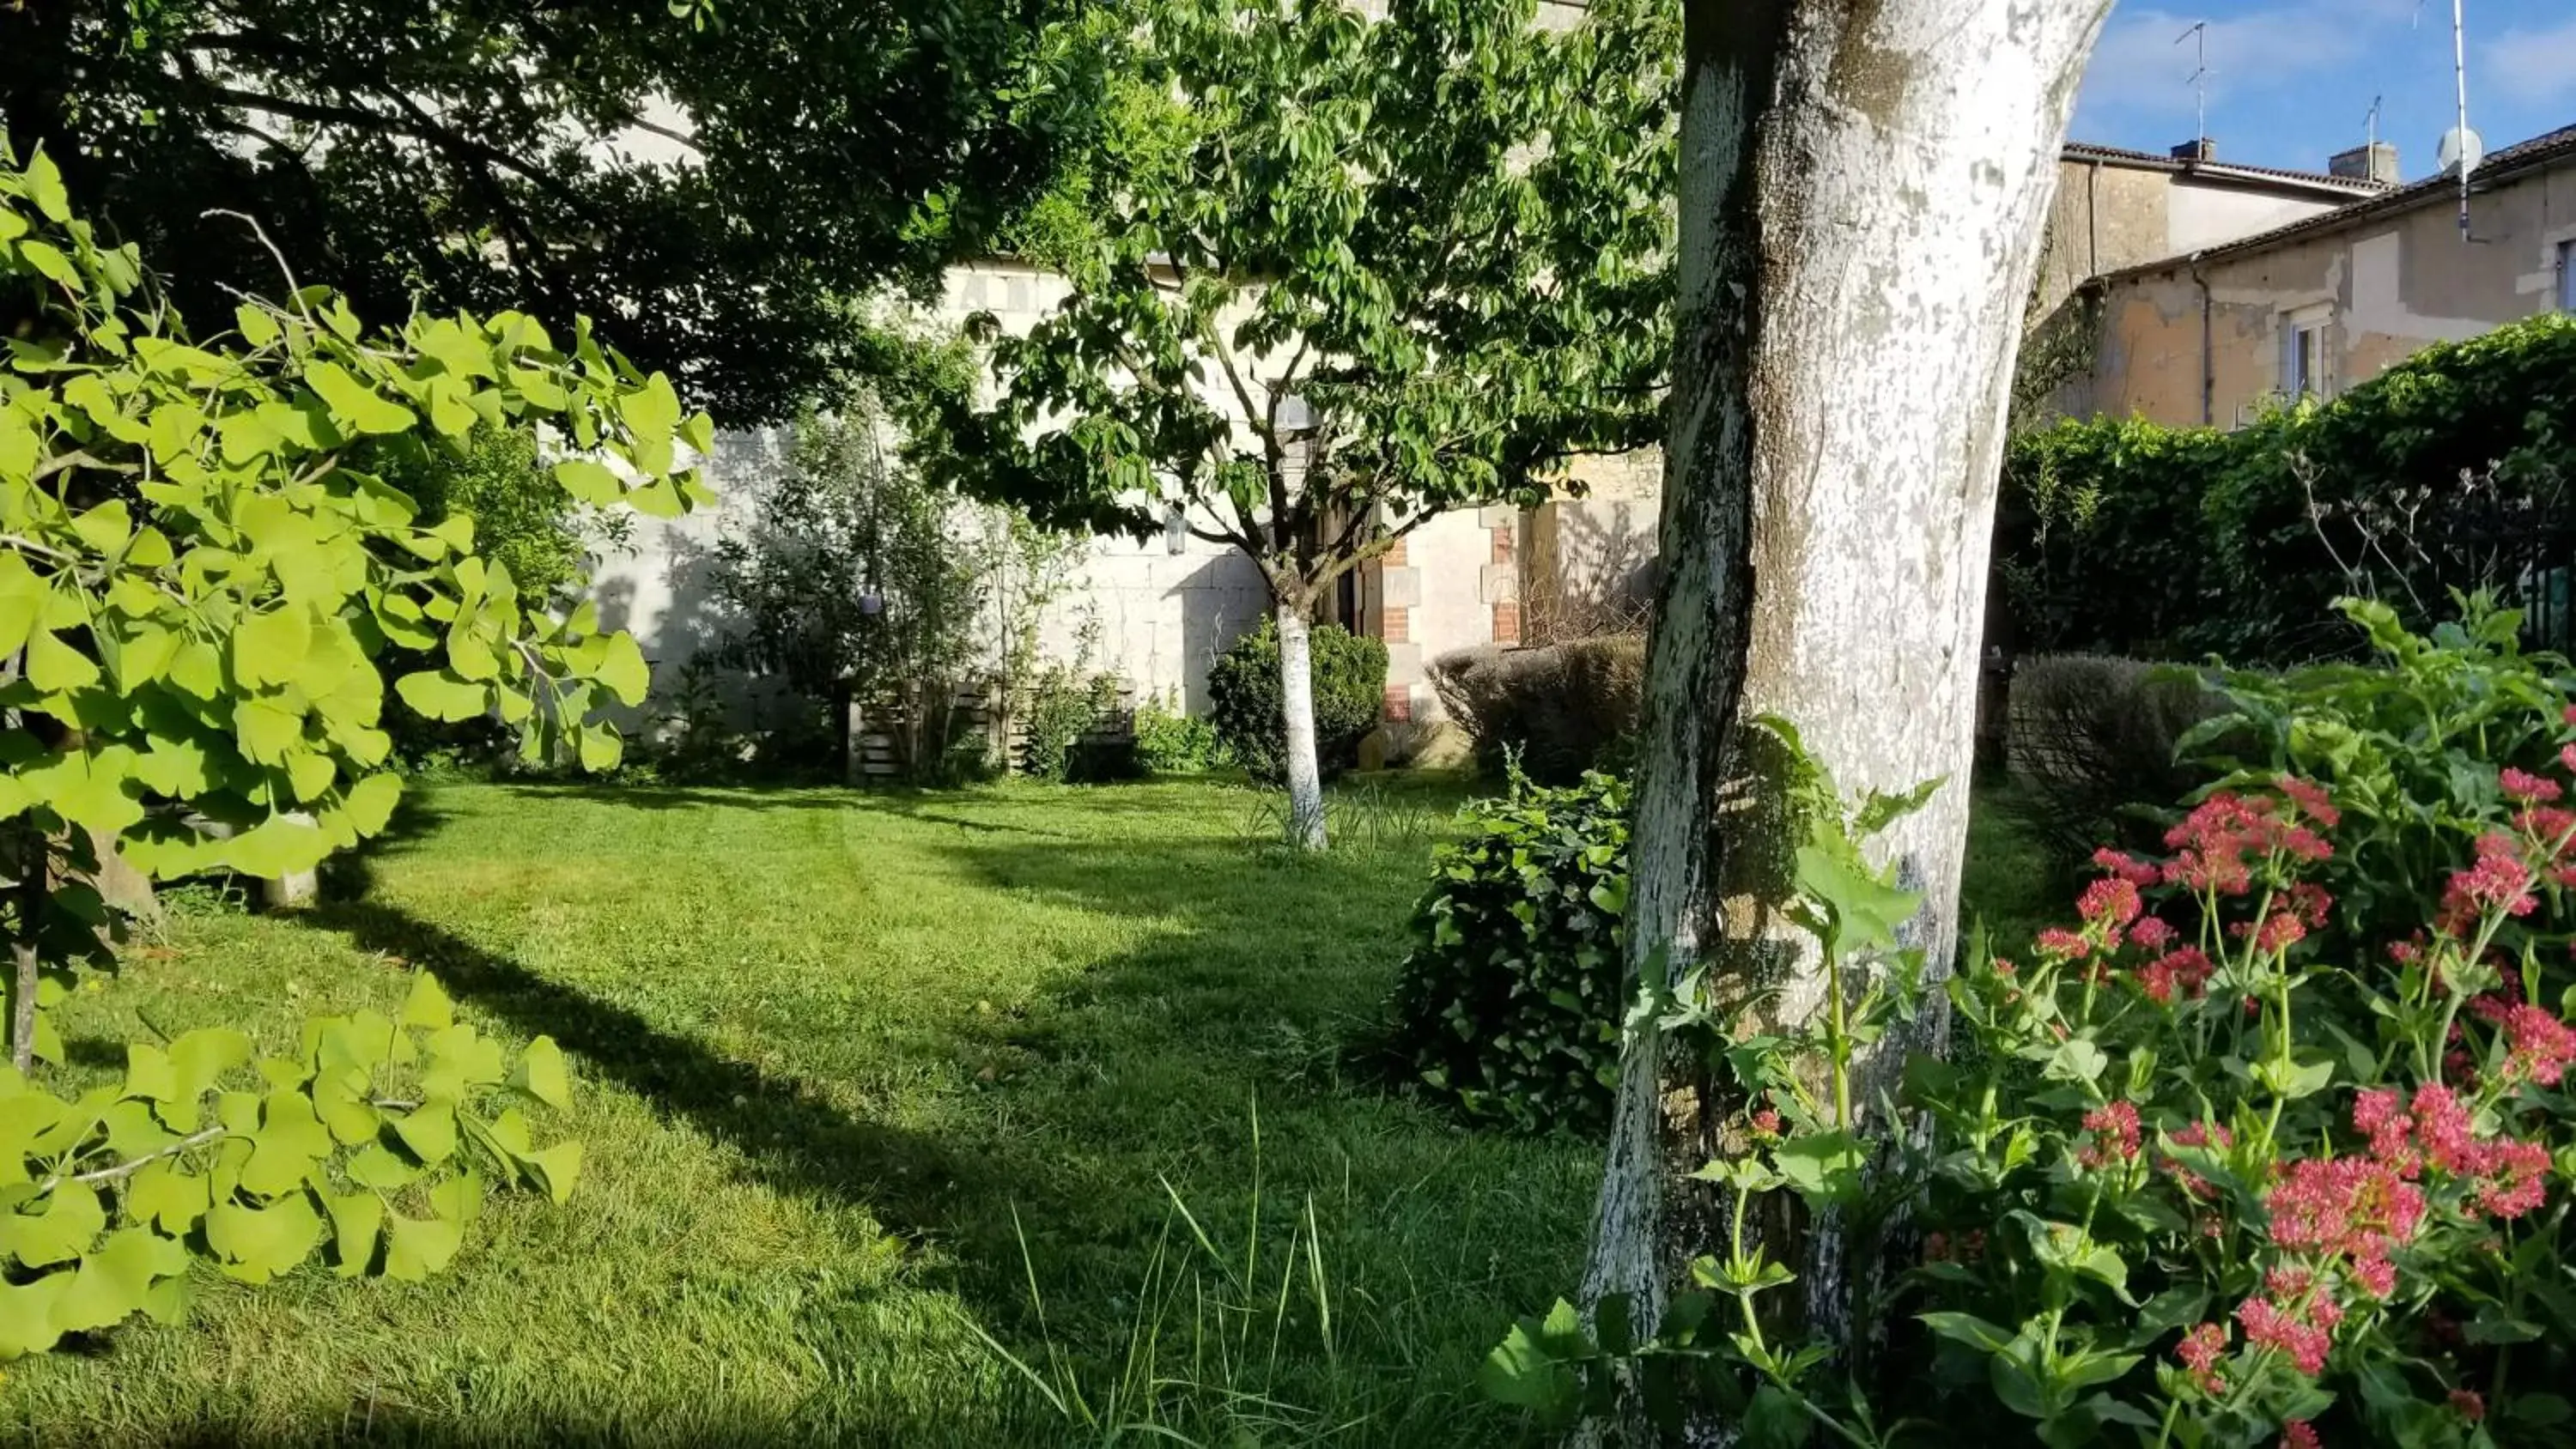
[[884, 1095], [873, 1086]]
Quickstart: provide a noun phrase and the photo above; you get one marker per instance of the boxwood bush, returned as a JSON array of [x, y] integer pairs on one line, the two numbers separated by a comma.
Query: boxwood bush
[[1243, 698], [1507, 1005]]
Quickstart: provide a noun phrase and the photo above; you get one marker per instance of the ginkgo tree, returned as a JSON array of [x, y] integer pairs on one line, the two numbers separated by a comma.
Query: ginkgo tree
[[1344, 273], [196, 580]]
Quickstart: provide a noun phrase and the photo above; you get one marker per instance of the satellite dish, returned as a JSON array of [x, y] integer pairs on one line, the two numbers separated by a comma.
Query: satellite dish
[[2461, 150]]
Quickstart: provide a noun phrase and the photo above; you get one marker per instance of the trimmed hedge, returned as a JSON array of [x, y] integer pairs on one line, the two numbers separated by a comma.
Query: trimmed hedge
[[1349, 674], [1563, 709], [2124, 537]]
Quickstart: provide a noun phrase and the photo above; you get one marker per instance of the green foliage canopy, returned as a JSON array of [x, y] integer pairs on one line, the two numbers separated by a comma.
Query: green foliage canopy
[[1350, 272], [453, 152]]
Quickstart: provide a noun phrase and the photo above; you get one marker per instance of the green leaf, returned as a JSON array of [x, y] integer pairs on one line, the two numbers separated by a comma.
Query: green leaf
[[417, 1248], [255, 1244], [277, 847], [353, 404], [427, 1006], [45, 188], [429, 1131], [588, 481], [357, 1220], [623, 672], [1822, 1166], [269, 648], [115, 1281], [1866, 910], [167, 1196], [541, 1074], [27, 1315], [55, 667], [1969, 1329], [559, 1168], [369, 804], [444, 695], [61, 1233], [379, 1167], [1522, 1373], [290, 1141]]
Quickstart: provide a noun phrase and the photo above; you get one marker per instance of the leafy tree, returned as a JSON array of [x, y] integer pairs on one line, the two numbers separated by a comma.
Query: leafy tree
[[714, 180], [856, 581], [1861, 214], [196, 587], [1348, 273]]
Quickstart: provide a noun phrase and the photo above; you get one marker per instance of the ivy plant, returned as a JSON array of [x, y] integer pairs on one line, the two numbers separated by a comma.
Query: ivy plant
[[196, 586]]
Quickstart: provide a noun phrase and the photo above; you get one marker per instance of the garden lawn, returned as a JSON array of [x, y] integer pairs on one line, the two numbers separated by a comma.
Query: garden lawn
[[844, 1060]]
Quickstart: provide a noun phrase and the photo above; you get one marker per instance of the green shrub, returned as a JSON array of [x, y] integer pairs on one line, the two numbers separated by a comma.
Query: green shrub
[[1561, 710], [1507, 1006], [1171, 741], [2269, 1144], [2092, 750], [1350, 692], [1058, 710], [2120, 536]]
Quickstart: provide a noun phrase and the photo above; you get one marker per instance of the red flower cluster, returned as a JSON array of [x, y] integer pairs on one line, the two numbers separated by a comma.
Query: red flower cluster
[[2305, 1337], [2354, 1208], [2538, 1046], [2139, 873], [2508, 1177], [2529, 788], [2200, 1351], [2500, 880], [2184, 972], [2298, 1434], [2110, 903], [2214, 842], [2115, 1135]]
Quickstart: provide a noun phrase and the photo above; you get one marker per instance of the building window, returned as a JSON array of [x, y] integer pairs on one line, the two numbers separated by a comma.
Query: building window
[[2303, 358], [2567, 276]]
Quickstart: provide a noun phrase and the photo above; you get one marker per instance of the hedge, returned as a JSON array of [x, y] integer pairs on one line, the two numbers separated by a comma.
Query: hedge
[[2122, 536]]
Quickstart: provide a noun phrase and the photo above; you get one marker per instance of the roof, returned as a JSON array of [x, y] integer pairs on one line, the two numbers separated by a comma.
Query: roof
[[2225, 170], [2500, 166]]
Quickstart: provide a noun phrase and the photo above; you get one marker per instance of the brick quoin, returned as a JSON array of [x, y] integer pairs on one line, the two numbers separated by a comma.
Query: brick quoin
[[1394, 556], [1507, 623], [1399, 703], [1395, 625], [1503, 544]]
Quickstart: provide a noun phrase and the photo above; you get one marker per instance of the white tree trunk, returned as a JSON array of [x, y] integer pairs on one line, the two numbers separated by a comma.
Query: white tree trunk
[[1863, 185], [1297, 704]]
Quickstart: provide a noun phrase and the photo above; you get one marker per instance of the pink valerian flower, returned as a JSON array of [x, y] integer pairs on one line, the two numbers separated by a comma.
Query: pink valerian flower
[[2299, 1434], [2468, 1405], [2115, 1135], [2568, 714], [2380, 1114], [2312, 800], [2139, 873], [2354, 1207], [2313, 904], [2199, 1351], [2153, 933], [2567, 757], [2268, 1325], [2539, 1045], [2407, 953], [2214, 842], [2184, 971], [2110, 903], [2514, 1177], [2499, 880], [2375, 1276], [2064, 944], [1766, 1123], [2550, 825], [2529, 788], [2280, 931], [2197, 1134]]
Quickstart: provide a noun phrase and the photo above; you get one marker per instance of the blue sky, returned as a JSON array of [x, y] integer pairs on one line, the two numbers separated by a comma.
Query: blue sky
[[2291, 81]]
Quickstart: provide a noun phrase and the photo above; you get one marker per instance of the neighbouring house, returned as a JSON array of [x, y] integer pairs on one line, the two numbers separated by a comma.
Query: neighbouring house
[[1159, 610], [2213, 333]]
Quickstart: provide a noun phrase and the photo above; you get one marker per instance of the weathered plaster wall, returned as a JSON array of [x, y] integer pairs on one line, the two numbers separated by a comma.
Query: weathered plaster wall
[[2383, 287]]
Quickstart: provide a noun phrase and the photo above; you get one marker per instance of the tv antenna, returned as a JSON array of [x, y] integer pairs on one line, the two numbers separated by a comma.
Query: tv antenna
[[2461, 147], [2370, 127], [2199, 33]]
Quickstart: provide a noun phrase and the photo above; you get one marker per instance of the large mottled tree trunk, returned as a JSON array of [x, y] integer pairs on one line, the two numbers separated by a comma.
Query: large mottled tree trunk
[[1297, 705], [1863, 185]]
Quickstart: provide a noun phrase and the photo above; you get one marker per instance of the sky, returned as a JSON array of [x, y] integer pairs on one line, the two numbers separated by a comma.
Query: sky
[[2291, 81]]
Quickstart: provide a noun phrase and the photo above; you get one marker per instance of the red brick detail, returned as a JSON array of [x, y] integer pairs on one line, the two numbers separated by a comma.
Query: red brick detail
[[1507, 623], [1503, 544], [1395, 625], [1394, 556], [1399, 703]]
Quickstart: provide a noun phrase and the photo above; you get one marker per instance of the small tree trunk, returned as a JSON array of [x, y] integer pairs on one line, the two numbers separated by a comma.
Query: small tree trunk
[[1862, 189], [26, 960], [1297, 705]]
